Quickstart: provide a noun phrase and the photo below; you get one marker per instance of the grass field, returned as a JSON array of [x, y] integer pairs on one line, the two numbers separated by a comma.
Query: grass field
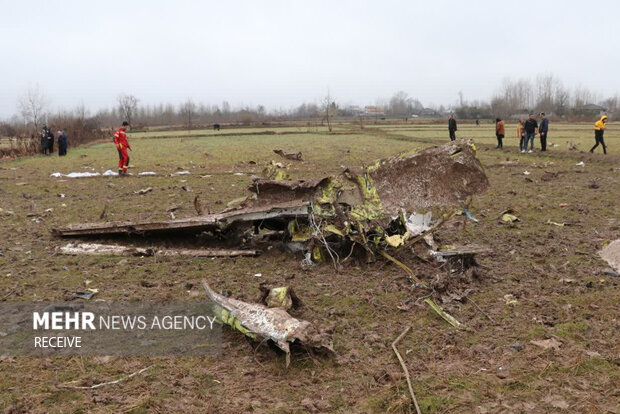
[[552, 272]]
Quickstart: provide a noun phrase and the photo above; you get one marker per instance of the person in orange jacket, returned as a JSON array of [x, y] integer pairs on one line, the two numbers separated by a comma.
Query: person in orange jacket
[[521, 136], [599, 130], [500, 131], [122, 145]]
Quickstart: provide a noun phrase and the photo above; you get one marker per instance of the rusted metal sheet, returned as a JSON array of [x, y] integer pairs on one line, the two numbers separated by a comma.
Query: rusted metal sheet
[[439, 176], [199, 223]]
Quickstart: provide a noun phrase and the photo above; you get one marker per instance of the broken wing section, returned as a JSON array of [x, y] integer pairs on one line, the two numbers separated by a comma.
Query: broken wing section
[[436, 177], [260, 322]]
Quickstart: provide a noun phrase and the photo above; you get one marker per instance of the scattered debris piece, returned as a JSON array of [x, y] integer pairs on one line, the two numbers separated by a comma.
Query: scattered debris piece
[[102, 384], [260, 322], [469, 216], [509, 218], [526, 173], [147, 173], [548, 344], [103, 212], [448, 318], [95, 249], [279, 297], [581, 164], [75, 175], [6, 212], [148, 284], [555, 223], [86, 294], [510, 300], [571, 145], [181, 173], [418, 223], [594, 184], [198, 206], [517, 347], [611, 254], [144, 190], [200, 223], [549, 175], [187, 188], [459, 258], [290, 156]]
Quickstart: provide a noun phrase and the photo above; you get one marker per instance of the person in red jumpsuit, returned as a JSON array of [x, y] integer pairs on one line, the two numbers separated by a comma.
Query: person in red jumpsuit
[[122, 145]]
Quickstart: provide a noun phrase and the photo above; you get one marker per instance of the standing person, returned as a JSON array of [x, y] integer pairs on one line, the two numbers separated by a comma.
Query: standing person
[[452, 127], [542, 130], [44, 146], [531, 129], [62, 143], [500, 131], [120, 140], [599, 130], [521, 136], [50, 141], [477, 122]]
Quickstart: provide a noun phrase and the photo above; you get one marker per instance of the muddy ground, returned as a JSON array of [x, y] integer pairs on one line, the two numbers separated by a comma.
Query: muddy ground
[[540, 281]]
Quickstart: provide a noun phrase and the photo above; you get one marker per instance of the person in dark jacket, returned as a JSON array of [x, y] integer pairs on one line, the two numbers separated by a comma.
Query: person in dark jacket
[[62, 143], [44, 146], [452, 127], [50, 142], [531, 129], [599, 130], [500, 131], [542, 130]]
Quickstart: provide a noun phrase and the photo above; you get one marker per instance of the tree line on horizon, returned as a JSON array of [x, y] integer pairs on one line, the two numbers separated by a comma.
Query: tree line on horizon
[[512, 98]]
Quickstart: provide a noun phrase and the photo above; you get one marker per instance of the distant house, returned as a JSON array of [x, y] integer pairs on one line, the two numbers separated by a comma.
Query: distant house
[[375, 111], [354, 110], [590, 109], [429, 113]]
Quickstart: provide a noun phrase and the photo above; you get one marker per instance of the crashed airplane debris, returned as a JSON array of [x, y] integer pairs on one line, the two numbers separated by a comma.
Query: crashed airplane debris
[[386, 204], [260, 322], [95, 249], [290, 156]]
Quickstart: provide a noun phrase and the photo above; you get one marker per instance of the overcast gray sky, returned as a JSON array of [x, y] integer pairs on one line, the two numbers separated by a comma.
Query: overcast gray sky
[[282, 53]]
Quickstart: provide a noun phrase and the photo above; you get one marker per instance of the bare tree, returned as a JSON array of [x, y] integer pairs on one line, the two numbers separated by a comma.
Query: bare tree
[[611, 103], [329, 109], [188, 112], [32, 106], [400, 104], [81, 113], [127, 107]]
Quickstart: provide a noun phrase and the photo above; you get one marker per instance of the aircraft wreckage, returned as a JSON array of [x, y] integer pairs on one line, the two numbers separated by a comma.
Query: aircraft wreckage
[[366, 212], [389, 203]]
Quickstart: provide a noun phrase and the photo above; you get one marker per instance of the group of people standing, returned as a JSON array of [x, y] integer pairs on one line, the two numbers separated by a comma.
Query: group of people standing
[[47, 141], [527, 131]]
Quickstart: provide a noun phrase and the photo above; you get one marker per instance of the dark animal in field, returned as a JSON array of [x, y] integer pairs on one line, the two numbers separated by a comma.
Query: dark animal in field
[[216, 127]]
